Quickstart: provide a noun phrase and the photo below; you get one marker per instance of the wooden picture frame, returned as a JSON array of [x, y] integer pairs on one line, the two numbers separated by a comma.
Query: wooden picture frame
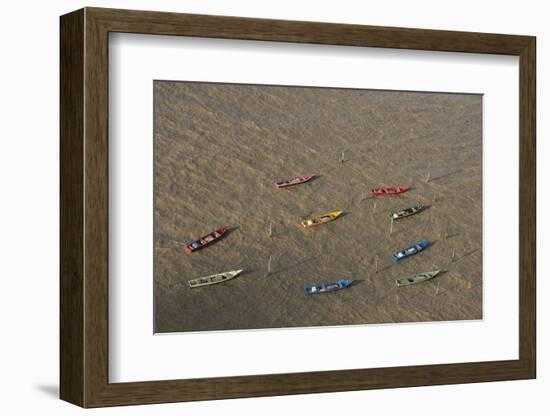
[[84, 207]]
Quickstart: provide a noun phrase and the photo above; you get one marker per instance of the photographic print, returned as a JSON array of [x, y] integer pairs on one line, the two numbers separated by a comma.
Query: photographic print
[[291, 206]]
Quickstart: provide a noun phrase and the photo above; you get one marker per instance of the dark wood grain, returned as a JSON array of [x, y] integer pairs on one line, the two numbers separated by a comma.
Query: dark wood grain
[[162, 23], [84, 207], [527, 208], [96, 223], [72, 369]]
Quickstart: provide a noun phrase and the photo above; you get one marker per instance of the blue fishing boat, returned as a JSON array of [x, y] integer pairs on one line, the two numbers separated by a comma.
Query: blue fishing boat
[[410, 251], [328, 287]]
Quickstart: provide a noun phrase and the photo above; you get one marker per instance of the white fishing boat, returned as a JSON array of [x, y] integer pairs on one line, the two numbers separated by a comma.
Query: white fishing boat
[[213, 279]]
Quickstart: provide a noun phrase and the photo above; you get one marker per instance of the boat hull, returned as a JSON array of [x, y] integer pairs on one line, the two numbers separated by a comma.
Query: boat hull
[[206, 240], [321, 219], [417, 278], [293, 182], [214, 279], [394, 190], [328, 287], [407, 212], [410, 251]]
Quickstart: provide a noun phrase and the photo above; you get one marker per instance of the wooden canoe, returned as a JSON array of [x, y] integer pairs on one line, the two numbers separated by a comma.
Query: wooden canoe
[[206, 240], [321, 219], [417, 278], [213, 279], [393, 190], [293, 182]]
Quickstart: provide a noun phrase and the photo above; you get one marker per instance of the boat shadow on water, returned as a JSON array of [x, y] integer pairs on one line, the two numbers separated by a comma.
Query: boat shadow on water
[[451, 235], [308, 183], [466, 254], [445, 175], [433, 280], [431, 243], [342, 215], [441, 273], [424, 208], [230, 230], [436, 277], [313, 179], [357, 282]]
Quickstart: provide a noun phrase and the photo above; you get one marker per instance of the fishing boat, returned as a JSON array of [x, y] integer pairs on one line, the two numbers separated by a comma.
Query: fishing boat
[[417, 278], [213, 279], [292, 182], [328, 287], [321, 219], [407, 212], [410, 251], [206, 240], [394, 190]]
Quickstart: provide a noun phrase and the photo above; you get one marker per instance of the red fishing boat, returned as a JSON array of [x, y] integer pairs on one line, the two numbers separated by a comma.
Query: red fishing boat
[[394, 190], [206, 240], [292, 182]]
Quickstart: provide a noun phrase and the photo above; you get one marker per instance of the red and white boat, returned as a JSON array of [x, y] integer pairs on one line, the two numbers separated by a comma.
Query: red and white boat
[[206, 240], [394, 190], [292, 182]]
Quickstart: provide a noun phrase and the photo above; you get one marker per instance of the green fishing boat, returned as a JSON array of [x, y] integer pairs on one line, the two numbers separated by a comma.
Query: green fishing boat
[[213, 279], [417, 278]]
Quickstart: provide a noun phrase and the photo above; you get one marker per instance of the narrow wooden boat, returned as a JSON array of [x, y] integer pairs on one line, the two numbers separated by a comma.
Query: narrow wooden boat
[[417, 278], [292, 182], [393, 190], [206, 240], [410, 251], [321, 219], [328, 287], [407, 212], [213, 279]]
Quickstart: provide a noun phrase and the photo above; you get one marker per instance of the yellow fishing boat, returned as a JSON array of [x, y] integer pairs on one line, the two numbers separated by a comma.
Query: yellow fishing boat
[[321, 219]]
